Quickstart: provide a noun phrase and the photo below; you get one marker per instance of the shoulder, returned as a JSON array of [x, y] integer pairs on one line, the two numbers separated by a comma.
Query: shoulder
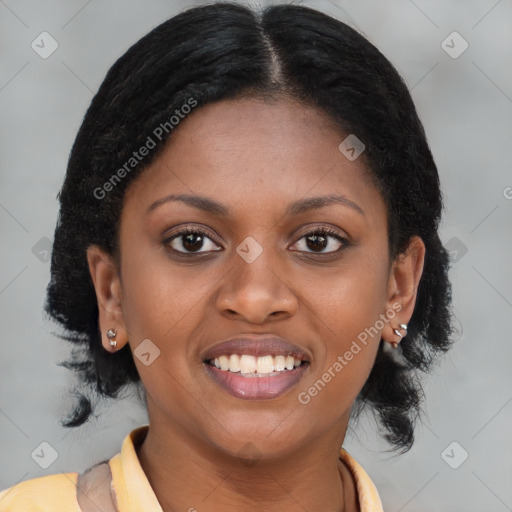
[[369, 499], [55, 493]]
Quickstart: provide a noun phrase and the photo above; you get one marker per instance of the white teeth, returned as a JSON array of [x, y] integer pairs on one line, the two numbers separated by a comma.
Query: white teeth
[[224, 363], [234, 363], [265, 364], [280, 364], [246, 363]]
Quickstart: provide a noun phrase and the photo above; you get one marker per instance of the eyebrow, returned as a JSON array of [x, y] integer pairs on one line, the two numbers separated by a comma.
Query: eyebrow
[[296, 208], [202, 203], [312, 203]]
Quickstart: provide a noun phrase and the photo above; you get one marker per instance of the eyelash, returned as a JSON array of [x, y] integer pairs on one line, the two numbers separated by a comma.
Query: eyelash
[[322, 231]]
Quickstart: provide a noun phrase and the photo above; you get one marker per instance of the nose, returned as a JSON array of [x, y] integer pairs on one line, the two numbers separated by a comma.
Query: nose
[[257, 292]]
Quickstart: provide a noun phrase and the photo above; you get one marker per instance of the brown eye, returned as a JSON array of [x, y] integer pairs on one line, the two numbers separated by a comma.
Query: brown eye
[[191, 241], [321, 241]]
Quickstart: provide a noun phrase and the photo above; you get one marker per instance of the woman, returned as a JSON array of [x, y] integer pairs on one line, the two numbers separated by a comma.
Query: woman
[[248, 232]]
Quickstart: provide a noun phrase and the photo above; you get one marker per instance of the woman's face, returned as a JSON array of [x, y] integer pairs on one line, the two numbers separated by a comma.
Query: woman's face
[[259, 263]]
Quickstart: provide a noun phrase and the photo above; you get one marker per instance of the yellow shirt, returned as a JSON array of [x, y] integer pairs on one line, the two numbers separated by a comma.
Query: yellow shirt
[[57, 493]]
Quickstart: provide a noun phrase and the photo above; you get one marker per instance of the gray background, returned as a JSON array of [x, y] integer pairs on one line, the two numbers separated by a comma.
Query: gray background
[[466, 106]]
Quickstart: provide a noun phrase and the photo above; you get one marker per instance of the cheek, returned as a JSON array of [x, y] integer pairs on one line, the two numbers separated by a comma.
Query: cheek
[[157, 296], [349, 303], [162, 306], [347, 298]]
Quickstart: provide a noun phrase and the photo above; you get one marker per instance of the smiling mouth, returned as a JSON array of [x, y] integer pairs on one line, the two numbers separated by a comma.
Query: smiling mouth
[[247, 365], [256, 377], [256, 367]]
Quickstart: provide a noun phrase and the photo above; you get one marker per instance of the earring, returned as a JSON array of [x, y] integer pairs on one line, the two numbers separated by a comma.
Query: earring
[[111, 334], [394, 344]]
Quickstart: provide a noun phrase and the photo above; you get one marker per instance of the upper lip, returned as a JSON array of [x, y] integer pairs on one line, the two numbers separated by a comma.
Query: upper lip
[[256, 345]]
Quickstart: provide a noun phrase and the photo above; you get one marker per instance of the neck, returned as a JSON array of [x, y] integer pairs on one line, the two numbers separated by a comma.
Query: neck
[[187, 476]]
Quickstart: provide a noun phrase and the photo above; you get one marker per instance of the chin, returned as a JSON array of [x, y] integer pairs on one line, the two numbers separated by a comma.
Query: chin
[[260, 440]]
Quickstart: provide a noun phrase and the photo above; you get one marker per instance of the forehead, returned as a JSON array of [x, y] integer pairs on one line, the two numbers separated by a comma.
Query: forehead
[[277, 125], [258, 152]]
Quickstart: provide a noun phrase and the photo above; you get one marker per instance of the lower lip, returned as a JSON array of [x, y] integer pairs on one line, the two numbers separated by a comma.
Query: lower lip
[[257, 388]]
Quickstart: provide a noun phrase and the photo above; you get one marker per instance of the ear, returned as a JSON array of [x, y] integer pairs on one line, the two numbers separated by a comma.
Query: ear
[[402, 289], [107, 284]]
